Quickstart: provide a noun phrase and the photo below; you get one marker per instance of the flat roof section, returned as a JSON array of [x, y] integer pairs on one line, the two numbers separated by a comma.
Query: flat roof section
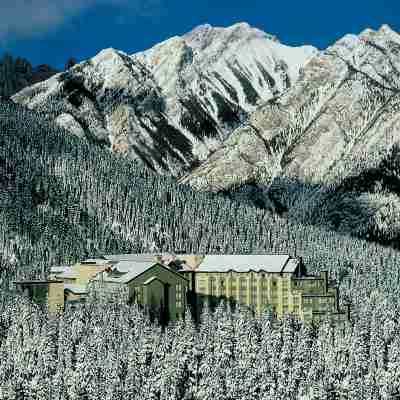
[[273, 263], [38, 281], [139, 257]]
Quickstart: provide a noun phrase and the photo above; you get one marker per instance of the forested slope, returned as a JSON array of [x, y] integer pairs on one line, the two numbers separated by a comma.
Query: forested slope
[[62, 200], [105, 351]]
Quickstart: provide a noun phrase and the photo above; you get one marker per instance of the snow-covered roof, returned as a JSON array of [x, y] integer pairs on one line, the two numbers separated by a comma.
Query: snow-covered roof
[[69, 275], [131, 270], [36, 281], [67, 272], [153, 278], [131, 257], [59, 268], [98, 261], [128, 266], [76, 289], [244, 263]]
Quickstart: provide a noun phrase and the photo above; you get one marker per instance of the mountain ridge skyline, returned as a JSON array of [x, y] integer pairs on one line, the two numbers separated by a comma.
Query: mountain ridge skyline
[[97, 24]]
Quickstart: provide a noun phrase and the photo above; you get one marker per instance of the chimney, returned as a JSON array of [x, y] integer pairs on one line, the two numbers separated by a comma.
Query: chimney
[[167, 259], [301, 271], [193, 260]]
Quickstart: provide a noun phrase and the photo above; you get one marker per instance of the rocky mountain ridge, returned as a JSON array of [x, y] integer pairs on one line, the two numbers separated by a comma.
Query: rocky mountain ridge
[[331, 141], [346, 99], [174, 104]]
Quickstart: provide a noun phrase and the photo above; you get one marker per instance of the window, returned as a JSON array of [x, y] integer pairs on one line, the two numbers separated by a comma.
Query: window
[[178, 288], [201, 288], [137, 292], [212, 285], [178, 294]]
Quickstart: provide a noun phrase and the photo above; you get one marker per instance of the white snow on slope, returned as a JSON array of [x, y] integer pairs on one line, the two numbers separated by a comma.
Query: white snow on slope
[[191, 62]]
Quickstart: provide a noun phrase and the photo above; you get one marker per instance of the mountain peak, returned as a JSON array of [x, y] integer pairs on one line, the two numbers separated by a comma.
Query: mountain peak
[[200, 35], [243, 25], [387, 30]]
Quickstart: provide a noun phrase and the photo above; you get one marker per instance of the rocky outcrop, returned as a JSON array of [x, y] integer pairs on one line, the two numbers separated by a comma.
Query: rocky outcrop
[[172, 105], [331, 142], [343, 109]]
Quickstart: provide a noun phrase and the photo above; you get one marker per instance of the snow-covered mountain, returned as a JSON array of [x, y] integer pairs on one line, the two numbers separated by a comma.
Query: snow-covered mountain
[[171, 105], [344, 105], [226, 69], [337, 126]]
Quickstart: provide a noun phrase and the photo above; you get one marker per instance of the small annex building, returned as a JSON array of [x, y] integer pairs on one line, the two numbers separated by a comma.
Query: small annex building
[[144, 280]]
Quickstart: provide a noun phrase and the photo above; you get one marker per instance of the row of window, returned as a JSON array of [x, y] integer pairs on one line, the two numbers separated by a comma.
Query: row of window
[[319, 300], [202, 285], [242, 281]]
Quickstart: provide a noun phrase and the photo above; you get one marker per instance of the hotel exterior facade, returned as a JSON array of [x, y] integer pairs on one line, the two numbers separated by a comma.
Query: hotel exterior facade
[[165, 283], [261, 281]]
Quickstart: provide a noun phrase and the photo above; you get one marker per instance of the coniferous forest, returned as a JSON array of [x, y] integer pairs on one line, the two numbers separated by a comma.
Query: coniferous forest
[[62, 199]]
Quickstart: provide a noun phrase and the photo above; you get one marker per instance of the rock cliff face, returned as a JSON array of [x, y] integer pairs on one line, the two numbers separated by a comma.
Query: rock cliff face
[[343, 108], [174, 104], [332, 141]]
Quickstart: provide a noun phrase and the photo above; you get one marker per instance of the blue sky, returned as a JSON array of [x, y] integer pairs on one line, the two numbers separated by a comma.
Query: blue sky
[[50, 31]]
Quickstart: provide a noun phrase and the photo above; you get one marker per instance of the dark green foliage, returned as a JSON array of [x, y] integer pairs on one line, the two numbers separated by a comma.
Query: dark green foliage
[[250, 93], [228, 87], [196, 119], [267, 77], [228, 112], [166, 139], [18, 73], [74, 88]]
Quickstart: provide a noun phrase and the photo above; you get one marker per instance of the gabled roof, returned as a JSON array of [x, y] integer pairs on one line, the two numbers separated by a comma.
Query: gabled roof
[[153, 278], [244, 263], [128, 266], [132, 270]]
